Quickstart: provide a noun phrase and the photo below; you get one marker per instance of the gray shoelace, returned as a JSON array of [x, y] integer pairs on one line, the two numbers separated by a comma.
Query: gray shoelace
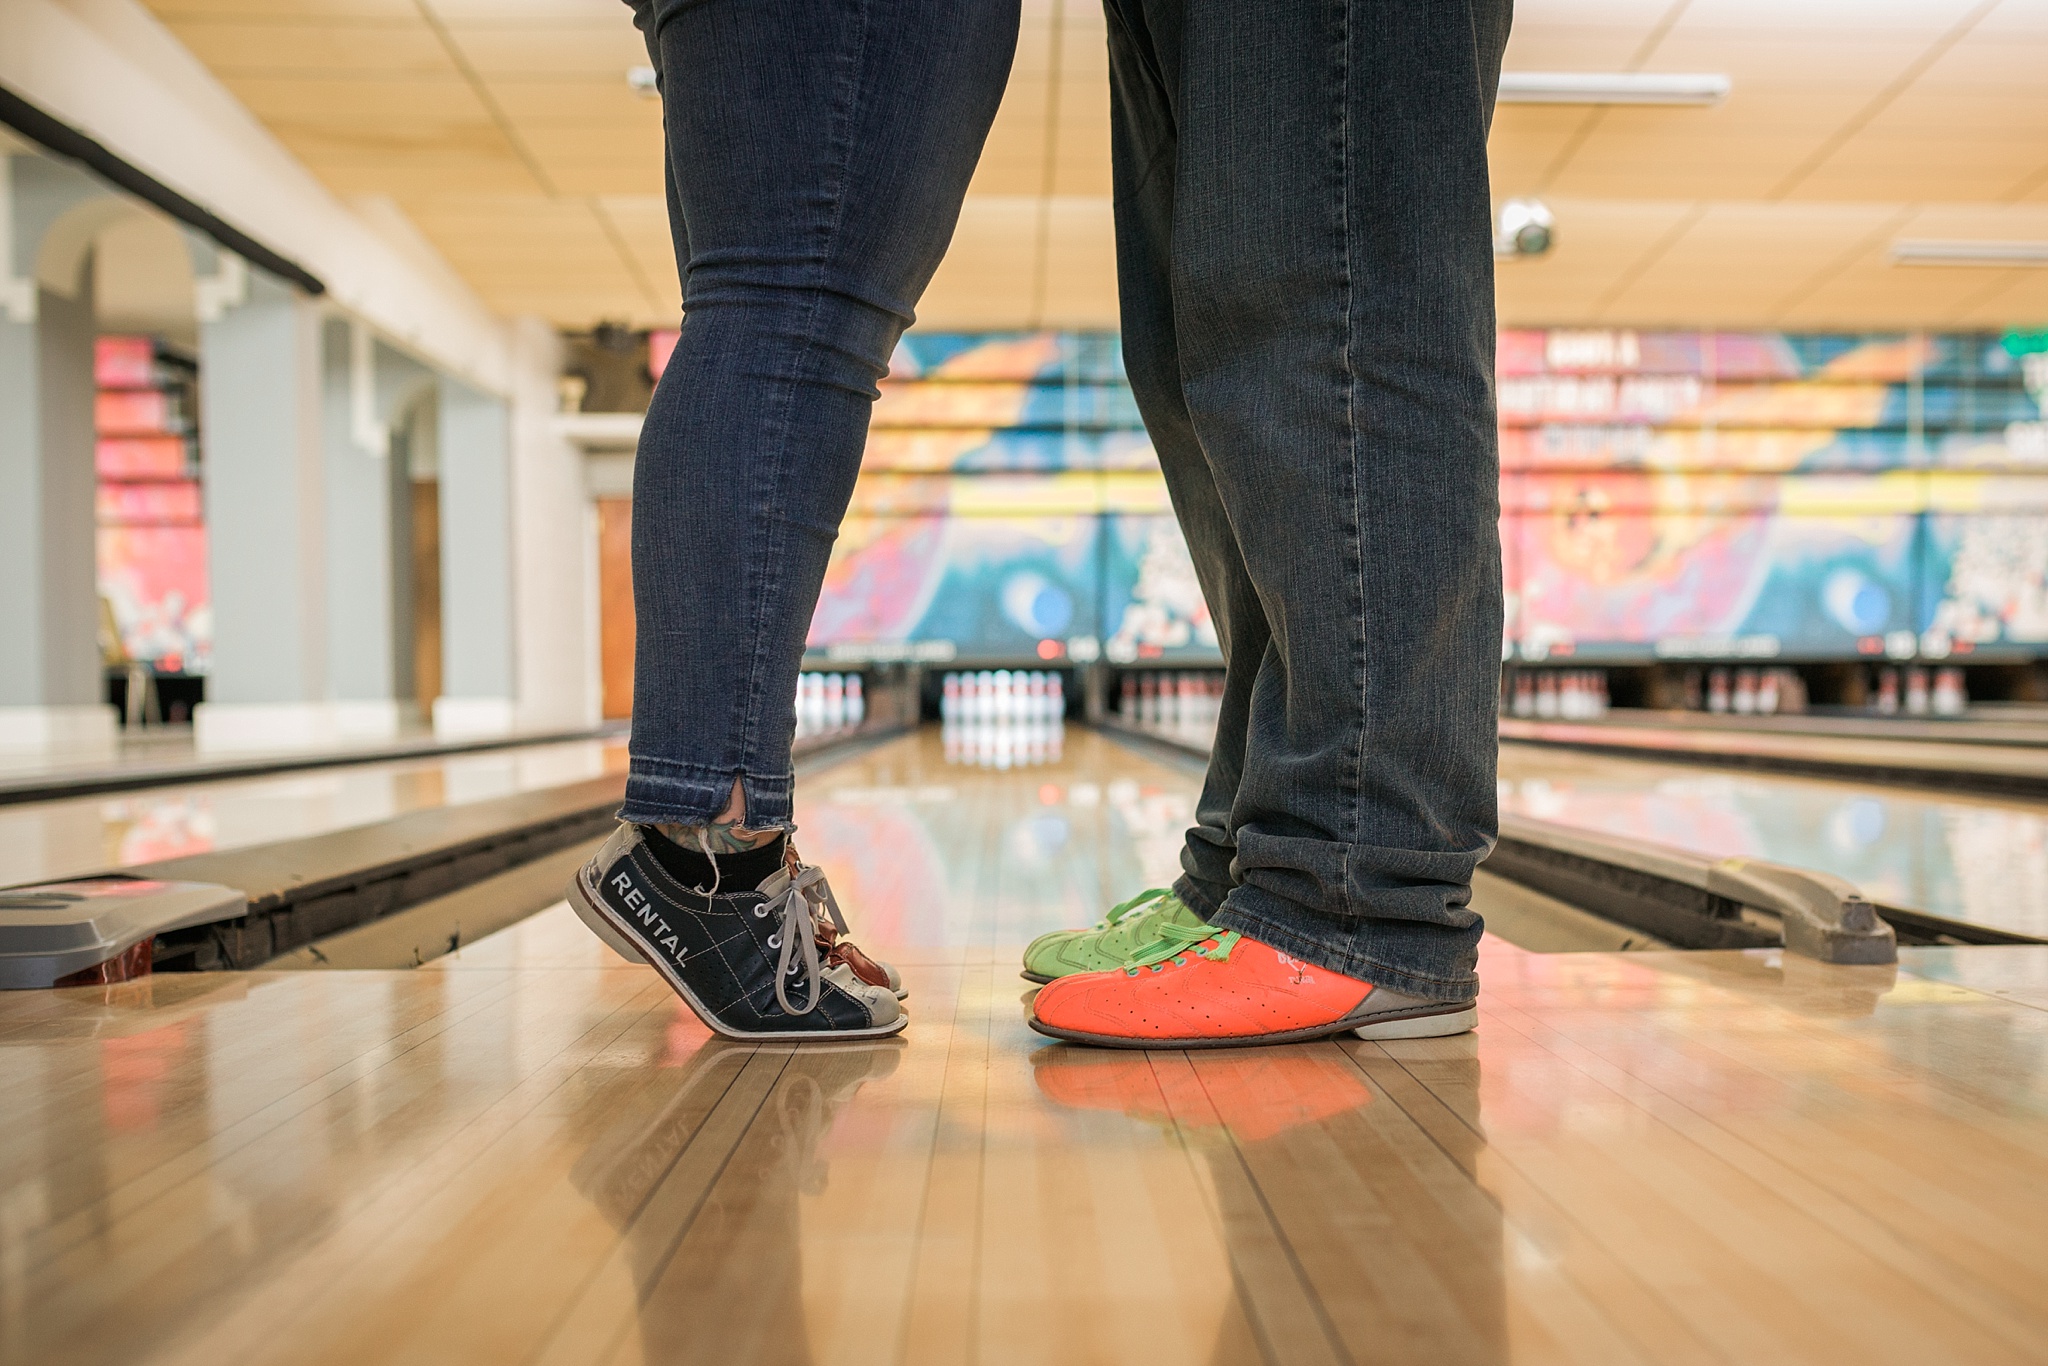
[[808, 893]]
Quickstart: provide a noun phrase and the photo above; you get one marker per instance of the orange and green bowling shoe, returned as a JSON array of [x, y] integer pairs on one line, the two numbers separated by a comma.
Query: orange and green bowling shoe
[[1223, 990], [1129, 930]]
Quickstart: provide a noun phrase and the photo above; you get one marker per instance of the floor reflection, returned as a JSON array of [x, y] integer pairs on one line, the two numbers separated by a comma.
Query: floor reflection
[[1351, 1232], [1004, 743], [915, 843], [719, 1274]]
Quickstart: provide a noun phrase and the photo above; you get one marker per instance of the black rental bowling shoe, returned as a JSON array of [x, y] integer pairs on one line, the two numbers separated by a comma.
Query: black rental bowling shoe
[[747, 961]]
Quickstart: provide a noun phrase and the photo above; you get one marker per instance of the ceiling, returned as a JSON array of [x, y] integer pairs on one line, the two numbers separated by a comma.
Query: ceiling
[[505, 131]]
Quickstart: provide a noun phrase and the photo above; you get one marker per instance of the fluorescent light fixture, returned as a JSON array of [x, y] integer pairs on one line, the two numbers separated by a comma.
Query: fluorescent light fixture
[[1929, 251], [1613, 87]]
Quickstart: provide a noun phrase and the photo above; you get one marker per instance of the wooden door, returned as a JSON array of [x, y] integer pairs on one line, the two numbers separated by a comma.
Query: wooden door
[[615, 603]]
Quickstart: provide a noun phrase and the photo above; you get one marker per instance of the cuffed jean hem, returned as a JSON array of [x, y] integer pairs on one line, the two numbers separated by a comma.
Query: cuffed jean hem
[[659, 792], [1233, 915]]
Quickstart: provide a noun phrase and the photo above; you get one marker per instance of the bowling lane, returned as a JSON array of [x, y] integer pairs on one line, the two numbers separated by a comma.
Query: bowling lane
[[1978, 859], [1031, 827], [534, 1136], [43, 840]]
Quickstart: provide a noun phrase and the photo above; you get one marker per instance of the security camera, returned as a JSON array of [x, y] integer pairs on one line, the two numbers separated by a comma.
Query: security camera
[[1526, 228]]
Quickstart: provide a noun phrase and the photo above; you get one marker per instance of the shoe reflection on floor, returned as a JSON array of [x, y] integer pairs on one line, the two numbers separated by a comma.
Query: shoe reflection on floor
[[1351, 1230], [704, 1177]]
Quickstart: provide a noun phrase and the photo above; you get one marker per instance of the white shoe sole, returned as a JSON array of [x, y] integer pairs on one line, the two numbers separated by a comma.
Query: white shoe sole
[[1422, 1026]]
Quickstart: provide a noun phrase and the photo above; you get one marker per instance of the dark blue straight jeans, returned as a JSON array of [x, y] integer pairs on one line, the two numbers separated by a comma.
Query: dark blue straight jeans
[[1306, 270], [818, 151]]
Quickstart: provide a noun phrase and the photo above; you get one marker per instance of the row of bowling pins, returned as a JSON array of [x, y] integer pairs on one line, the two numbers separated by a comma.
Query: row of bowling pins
[[1003, 695], [829, 702], [1159, 698], [1004, 744], [1559, 695], [1756, 692], [1937, 692]]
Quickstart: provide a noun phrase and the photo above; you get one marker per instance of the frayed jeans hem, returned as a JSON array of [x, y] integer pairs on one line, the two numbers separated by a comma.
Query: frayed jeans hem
[[659, 792]]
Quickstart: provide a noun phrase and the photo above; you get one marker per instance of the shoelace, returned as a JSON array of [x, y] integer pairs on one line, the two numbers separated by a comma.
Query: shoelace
[[1175, 940], [808, 896], [807, 900]]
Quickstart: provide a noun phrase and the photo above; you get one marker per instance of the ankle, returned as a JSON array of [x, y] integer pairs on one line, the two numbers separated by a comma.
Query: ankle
[[733, 867], [721, 837]]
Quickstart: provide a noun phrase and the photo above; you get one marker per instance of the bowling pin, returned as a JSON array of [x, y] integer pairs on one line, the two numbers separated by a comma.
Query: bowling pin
[[1525, 696], [1917, 700], [1950, 699], [1745, 692]]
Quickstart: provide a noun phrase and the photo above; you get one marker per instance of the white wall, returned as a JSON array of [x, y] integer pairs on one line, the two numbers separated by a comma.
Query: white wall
[[554, 588], [108, 68]]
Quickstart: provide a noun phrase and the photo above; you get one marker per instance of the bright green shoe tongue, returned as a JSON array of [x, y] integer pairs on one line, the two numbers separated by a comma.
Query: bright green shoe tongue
[[1146, 901]]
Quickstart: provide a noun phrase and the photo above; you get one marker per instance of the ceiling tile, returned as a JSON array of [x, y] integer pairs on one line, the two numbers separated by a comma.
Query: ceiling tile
[[325, 48], [551, 50], [366, 94]]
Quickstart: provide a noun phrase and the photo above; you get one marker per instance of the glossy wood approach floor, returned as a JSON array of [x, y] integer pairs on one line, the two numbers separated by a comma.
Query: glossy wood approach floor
[[531, 1152]]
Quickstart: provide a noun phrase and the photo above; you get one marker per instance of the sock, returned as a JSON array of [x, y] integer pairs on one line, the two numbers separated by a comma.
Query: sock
[[741, 871]]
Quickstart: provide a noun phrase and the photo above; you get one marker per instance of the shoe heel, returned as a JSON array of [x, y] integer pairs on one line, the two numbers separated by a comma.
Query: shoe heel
[[1422, 1026], [579, 902]]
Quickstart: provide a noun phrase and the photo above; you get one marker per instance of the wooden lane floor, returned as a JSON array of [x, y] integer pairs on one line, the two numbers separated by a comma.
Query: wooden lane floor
[[530, 1152]]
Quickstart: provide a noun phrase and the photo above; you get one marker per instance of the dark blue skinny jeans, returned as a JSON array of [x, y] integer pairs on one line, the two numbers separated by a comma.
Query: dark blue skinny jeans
[[1306, 273], [818, 151]]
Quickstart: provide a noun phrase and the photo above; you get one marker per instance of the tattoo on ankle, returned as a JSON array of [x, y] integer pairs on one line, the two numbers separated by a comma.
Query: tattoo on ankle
[[720, 837]]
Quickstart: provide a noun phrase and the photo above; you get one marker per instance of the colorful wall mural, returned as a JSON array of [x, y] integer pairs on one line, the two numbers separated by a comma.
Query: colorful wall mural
[[1757, 495], [1664, 495], [1010, 507]]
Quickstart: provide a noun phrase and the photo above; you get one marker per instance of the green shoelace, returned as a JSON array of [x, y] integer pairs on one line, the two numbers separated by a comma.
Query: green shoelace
[[1176, 941]]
